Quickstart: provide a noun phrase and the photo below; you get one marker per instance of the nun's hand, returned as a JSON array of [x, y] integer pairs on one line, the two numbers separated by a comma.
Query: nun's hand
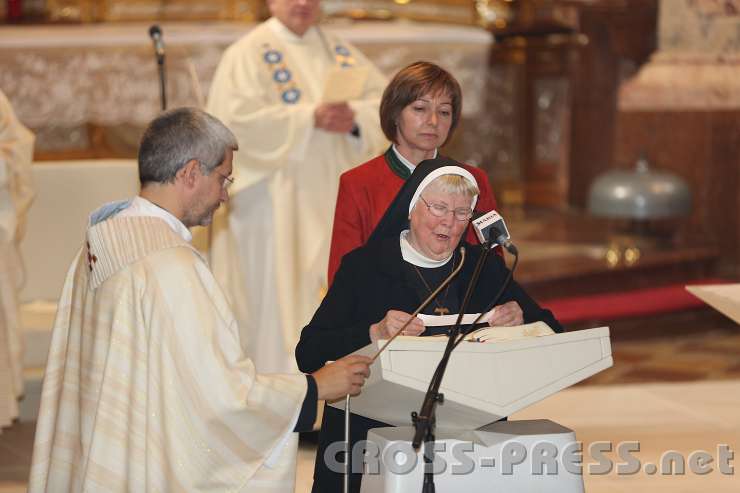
[[506, 315], [394, 320]]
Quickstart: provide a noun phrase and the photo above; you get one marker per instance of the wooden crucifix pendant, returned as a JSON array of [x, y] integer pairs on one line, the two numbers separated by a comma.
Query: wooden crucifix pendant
[[441, 310]]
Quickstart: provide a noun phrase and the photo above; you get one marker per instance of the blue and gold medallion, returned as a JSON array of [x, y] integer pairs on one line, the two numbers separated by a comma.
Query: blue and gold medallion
[[281, 75], [273, 56], [344, 57], [291, 96]]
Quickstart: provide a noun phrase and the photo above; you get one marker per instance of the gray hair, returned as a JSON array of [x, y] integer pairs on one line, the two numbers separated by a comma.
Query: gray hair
[[178, 136], [455, 184]]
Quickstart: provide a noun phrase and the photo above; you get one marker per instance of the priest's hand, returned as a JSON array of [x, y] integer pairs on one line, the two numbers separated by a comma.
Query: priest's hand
[[334, 117], [344, 376], [394, 320], [506, 315]]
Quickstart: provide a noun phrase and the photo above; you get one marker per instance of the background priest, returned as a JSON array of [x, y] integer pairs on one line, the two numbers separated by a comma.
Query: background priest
[[146, 387], [16, 195], [304, 106]]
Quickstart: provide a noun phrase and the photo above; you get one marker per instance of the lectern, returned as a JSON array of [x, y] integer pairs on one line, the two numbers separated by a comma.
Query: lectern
[[484, 382]]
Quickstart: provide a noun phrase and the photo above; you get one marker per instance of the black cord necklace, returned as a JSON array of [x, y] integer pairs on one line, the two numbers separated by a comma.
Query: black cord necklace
[[441, 308]]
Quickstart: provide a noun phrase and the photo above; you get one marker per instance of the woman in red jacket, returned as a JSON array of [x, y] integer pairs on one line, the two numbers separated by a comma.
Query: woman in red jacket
[[419, 112]]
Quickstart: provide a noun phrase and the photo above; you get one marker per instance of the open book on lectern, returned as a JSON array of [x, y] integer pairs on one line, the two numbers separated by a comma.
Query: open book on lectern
[[484, 382]]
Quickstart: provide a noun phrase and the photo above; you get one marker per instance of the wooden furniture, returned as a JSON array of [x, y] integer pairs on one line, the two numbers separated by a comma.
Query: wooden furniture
[[707, 156], [553, 94], [538, 135], [572, 254], [681, 109], [568, 257]]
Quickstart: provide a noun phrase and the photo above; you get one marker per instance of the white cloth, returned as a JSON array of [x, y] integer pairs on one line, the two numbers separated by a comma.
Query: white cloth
[[287, 176], [414, 257], [139, 206], [411, 166], [16, 195], [146, 387]]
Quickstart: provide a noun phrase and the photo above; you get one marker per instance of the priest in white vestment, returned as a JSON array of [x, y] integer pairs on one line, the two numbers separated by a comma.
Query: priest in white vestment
[[16, 195], [269, 88], [146, 386]]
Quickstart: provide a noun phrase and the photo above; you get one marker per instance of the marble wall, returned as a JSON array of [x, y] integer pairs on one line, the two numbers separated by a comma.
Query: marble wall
[[696, 65]]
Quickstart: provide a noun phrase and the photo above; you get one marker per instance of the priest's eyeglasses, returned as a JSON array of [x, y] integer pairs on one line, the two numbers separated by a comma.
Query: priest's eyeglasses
[[228, 181], [439, 210]]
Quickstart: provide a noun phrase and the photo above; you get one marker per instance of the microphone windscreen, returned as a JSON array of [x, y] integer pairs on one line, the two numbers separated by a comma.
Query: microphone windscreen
[[477, 215], [489, 227], [155, 31]]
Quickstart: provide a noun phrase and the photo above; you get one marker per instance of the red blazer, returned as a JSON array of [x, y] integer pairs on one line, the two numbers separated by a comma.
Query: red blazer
[[365, 192]]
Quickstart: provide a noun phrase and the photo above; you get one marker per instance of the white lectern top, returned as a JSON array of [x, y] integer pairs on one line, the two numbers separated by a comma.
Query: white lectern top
[[724, 298], [484, 381]]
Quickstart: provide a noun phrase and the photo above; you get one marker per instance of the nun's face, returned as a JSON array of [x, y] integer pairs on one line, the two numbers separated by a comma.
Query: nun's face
[[437, 236]]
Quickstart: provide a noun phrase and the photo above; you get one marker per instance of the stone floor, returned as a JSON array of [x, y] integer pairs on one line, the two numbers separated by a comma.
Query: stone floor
[[712, 355], [685, 417], [675, 392]]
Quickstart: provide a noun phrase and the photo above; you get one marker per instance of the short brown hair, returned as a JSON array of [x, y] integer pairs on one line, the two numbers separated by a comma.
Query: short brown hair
[[411, 83]]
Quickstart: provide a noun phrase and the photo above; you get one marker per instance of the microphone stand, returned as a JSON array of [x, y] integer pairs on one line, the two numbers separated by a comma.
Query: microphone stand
[[155, 32], [162, 81], [425, 421], [347, 463]]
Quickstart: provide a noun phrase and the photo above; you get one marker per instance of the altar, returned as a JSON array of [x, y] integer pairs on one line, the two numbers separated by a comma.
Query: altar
[[66, 81]]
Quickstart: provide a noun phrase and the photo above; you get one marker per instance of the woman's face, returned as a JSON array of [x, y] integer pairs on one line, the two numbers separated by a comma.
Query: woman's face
[[424, 124], [436, 237]]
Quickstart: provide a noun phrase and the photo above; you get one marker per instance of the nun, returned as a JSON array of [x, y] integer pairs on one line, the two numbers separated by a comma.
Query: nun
[[377, 286]]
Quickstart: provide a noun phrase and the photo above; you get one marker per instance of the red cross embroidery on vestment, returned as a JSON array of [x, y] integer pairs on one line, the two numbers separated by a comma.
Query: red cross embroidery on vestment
[[91, 259]]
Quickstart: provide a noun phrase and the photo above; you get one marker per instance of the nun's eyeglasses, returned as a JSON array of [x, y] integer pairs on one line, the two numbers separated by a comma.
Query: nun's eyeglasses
[[439, 210]]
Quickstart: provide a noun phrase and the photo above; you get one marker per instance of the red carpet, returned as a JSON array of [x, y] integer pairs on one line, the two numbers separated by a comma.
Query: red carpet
[[624, 304]]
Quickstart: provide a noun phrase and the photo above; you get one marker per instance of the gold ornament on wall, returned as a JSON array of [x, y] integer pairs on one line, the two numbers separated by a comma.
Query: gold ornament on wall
[[494, 13]]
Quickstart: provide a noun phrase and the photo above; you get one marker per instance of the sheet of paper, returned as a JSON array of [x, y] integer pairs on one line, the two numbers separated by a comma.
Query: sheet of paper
[[345, 84], [445, 320], [724, 298], [511, 333]]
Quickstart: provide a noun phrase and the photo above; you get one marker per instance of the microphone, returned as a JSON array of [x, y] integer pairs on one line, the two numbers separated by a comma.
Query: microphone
[[156, 34], [490, 228]]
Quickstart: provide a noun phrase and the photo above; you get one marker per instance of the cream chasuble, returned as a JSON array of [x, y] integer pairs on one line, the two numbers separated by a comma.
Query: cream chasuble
[[287, 172], [16, 195], [146, 387]]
